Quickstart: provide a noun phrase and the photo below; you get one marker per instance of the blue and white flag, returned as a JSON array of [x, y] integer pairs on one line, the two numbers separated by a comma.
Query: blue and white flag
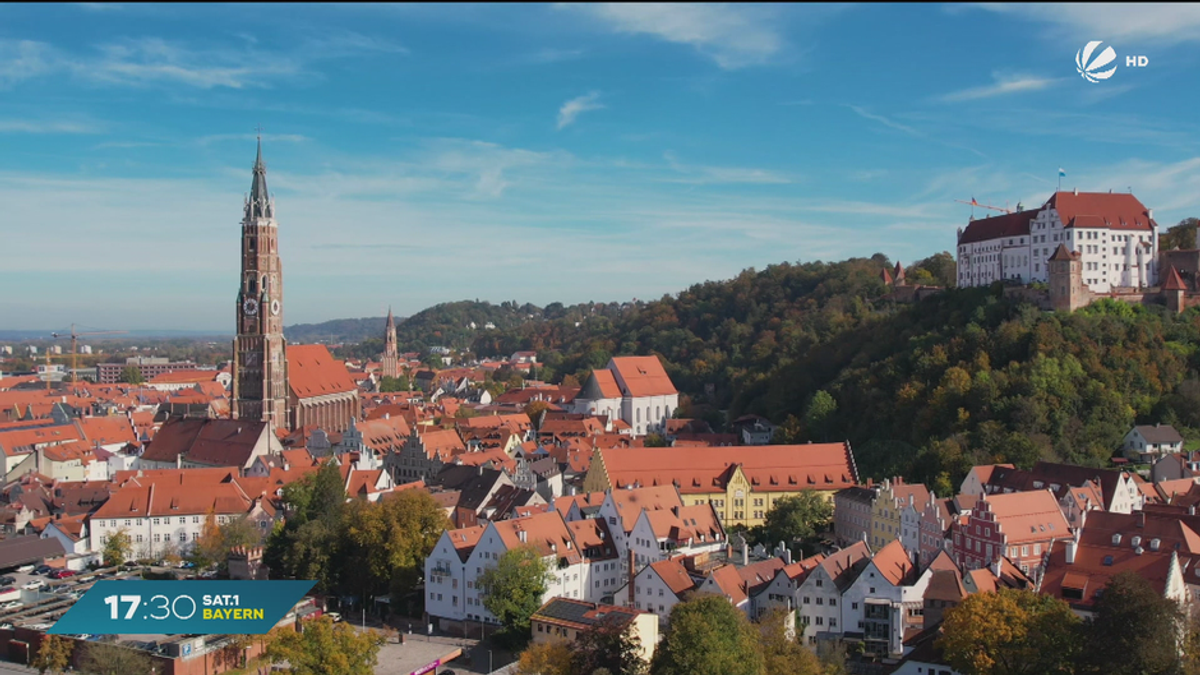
[[1061, 172]]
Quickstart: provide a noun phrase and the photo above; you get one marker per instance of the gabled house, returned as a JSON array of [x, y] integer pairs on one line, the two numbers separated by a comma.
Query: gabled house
[[635, 389], [1147, 443], [885, 600], [1020, 526], [818, 598]]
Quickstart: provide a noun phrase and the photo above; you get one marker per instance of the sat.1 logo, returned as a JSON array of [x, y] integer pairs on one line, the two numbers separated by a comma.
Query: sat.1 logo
[[1095, 66]]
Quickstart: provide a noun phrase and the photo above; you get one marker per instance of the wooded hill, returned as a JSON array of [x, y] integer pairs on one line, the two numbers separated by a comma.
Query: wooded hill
[[924, 390]]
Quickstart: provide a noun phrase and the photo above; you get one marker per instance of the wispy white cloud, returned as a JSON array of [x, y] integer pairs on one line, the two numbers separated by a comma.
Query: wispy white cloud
[[25, 59], [705, 175], [1002, 85], [735, 36], [866, 114], [547, 56], [1116, 22], [249, 138], [576, 107], [29, 126], [151, 60]]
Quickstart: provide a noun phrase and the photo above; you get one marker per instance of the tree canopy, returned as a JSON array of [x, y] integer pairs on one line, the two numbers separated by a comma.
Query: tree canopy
[[1133, 630], [708, 636], [795, 520], [325, 648], [54, 654], [1011, 632], [513, 589]]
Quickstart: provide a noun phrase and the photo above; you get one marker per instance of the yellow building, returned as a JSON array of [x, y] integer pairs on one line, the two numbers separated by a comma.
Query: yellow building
[[886, 513], [741, 482], [563, 619]]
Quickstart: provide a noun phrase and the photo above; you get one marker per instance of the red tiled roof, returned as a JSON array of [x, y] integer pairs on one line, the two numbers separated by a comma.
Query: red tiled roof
[[184, 376], [108, 430], [674, 575], [546, 532], [996, 227], [769, 468], [607, 383], [1061, 253], [631, 503], [1174, 281], [1118, 211], [1028, 516], [643, 376], [312, 371], [893, 562]]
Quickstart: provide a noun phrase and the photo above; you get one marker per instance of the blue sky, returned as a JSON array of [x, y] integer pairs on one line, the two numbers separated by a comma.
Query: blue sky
[[536, 153]]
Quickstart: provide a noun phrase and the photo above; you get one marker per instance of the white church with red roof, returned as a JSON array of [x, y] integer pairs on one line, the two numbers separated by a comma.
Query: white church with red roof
[[634, 389], [1114, 234]]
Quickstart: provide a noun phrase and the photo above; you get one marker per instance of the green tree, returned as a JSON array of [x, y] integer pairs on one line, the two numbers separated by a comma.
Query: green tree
[[513, 589], [939, 269], [1134, 629], [1181, 235], [54, 654], [819, 414], [799, 519], [708, 636], [132, 375], [783, 654], [118, 547], [655, 440], [390, 384], [1011, 632], [104, 658], [385, 543], [611, 645], [325, 648]]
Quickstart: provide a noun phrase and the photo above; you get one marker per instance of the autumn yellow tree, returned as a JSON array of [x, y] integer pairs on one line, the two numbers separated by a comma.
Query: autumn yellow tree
[[54, 654], [782, 653], [325, 648], [1010, 632], [546, 658]]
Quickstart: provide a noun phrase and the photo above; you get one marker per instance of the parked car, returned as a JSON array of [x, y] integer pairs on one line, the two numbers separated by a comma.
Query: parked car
[[34, 585], [7, 581], [334, 615], [12, 604], [43, 569], [25, 569], [63, 574]]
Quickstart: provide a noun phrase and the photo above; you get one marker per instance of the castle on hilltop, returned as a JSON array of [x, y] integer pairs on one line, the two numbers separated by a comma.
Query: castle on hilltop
[[1084, 247]]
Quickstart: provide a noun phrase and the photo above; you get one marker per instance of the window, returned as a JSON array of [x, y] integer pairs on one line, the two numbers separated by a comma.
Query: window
[[833, 602]]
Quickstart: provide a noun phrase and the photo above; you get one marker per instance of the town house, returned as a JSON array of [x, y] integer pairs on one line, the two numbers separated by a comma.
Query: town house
[[1020, 526]]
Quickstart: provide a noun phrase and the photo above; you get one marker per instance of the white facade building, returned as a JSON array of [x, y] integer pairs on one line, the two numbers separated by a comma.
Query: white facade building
[[634, 389], [1114, 233]]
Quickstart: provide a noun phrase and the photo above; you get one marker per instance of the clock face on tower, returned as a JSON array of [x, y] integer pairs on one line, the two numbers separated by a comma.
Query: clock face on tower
[[275, 307], [250, 306]]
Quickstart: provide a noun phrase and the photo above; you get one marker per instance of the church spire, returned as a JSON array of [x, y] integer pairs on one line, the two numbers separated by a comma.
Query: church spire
[[390, 365], [259, 204]]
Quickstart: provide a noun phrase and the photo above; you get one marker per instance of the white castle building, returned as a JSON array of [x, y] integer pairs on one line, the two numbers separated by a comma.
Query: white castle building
[[1115, 235]]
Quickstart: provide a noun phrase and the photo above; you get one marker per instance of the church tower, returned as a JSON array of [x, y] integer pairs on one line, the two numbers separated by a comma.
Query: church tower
[[391, 357], [260, 369]]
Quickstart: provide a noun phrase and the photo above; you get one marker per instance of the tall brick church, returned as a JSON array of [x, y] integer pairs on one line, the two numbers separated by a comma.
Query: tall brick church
[[288, 387]]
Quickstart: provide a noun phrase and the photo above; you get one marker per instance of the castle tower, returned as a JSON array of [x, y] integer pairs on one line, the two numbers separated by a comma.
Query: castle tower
[[1173, 290], [1067, 291], [391, 356], [260, 369]]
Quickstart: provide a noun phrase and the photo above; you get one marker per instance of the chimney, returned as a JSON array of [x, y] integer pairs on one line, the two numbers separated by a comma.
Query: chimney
[[1071, 545], [996, 567], [1141, 519], [1150, 214], [745, 552], [1076, 192], [387, 415], [631, 602], [522, 536], [787, 556]]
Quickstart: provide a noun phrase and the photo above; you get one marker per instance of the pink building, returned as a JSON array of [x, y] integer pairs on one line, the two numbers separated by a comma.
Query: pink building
[[1019, 525]]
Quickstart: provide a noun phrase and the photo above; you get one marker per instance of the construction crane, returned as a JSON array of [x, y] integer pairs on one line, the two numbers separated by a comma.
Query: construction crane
[[49, 356], [974, 203], [75, 346]]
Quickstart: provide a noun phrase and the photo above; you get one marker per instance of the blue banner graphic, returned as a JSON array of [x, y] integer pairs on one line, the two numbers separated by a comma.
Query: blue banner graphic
[[176, 607]]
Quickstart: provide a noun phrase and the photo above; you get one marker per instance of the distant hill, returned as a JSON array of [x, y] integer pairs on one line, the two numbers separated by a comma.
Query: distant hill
[[452, 324], [336, 330]]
